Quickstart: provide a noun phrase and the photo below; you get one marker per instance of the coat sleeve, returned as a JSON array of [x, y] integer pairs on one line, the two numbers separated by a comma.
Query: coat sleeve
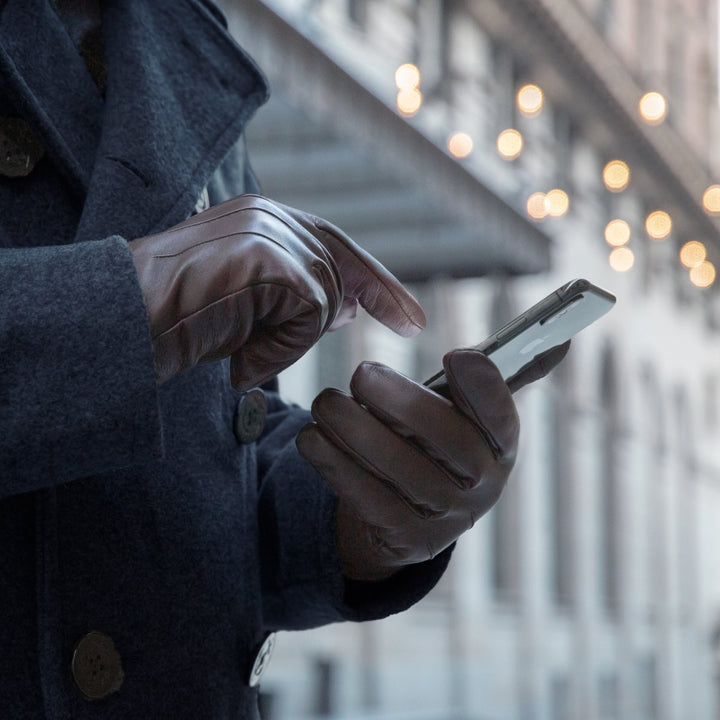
[[300, 571], [77, 382]]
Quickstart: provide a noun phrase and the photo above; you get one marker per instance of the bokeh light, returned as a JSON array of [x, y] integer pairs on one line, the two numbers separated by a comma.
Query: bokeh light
[[652, 107], [692, 254], [530, 100], [557, 202], [510, 143], [537, 206], [617, 233], [622, 259], [658, 224], [616, 175], [460, 144], [703, 275], [409, 101], [711, 199], [407, 77]]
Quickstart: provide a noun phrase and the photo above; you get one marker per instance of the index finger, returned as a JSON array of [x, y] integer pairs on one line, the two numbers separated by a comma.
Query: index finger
[[366, 279]]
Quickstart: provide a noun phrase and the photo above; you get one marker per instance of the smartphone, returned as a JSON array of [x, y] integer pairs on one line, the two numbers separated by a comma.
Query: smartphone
[[547, 324]]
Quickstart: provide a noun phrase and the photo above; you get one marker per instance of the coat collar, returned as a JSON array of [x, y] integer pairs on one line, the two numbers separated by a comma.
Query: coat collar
[[179, 92]]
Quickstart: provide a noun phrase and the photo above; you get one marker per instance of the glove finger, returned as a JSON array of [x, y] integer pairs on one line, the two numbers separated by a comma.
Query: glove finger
[[364, 278], [429, 421], [538, 367], [427, 487], [478, 389], [396, 534]]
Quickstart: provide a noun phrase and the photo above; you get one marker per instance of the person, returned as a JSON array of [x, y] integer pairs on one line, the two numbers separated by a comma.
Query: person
[[162, 510]]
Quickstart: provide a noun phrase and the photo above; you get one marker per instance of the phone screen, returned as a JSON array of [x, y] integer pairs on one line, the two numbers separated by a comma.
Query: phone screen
[[549, 323]]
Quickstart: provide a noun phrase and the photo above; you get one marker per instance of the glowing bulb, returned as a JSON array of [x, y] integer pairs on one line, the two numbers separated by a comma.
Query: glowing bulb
[[616, 175], [557, 203], [617, 233], [621, 259], [409, 101], [703, 275], [653, 108], [530, 100], [692, 254], [460, 144], [537, 206], [658, 224], [510, 143], [711, 199], [407, 77]]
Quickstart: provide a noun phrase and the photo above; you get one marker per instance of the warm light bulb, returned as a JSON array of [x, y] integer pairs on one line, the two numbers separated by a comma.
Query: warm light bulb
[[557, 203], [711, 199], [510, 143], [460, 144], [658, 224], [530, 100], [537, 206], [617, 233], [616, 175], [621, 259], [653, 107], [703, 275], [409, 101], [407, 77], [692, 254]]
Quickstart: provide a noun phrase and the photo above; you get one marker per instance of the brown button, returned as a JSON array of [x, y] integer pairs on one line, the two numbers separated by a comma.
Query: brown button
[[20, 149], [96, 666], [250, 416]]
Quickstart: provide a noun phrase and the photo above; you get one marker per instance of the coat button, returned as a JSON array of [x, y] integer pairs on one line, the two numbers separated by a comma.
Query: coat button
[[96, 666], [250, 416], [262, 659], [20, 149]]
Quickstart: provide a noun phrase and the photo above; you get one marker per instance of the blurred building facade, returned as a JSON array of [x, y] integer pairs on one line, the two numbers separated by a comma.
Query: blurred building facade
[[592, 590]]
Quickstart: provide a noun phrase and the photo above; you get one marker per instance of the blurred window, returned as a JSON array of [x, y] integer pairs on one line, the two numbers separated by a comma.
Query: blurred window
[[505, 517], [560, 699], [357, 12], [562, 487], [654, 507], [610, 527], [645, 20], [609, 698], [606, 16]]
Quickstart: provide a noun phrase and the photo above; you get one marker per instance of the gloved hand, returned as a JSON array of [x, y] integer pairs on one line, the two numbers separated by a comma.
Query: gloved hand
[[260, 282], [412, 470]]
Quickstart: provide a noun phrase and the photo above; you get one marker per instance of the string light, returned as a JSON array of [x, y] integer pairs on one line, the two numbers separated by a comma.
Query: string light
[[460, 144], [622, 259], [616, 175], [537, 206], [652, 107], [510, 143], [557, 202], [658, 224], [407, 80], [530, 100], [617, 233], [711, 200], [703, 275], [692, 254]]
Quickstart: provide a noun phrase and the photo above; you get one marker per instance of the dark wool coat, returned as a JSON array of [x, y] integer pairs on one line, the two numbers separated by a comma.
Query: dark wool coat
[[128, 508]]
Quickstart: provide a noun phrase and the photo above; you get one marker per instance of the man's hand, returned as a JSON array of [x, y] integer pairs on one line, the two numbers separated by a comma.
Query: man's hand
[[412, 470], [260, 282]]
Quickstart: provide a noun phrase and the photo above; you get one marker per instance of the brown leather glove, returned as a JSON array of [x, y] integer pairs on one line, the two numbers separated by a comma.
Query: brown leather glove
[[260, 282], [412, 470]]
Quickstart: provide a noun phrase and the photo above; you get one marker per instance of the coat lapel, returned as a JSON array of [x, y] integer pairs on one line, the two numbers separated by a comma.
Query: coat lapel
[[179, 92], [49, 84]]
